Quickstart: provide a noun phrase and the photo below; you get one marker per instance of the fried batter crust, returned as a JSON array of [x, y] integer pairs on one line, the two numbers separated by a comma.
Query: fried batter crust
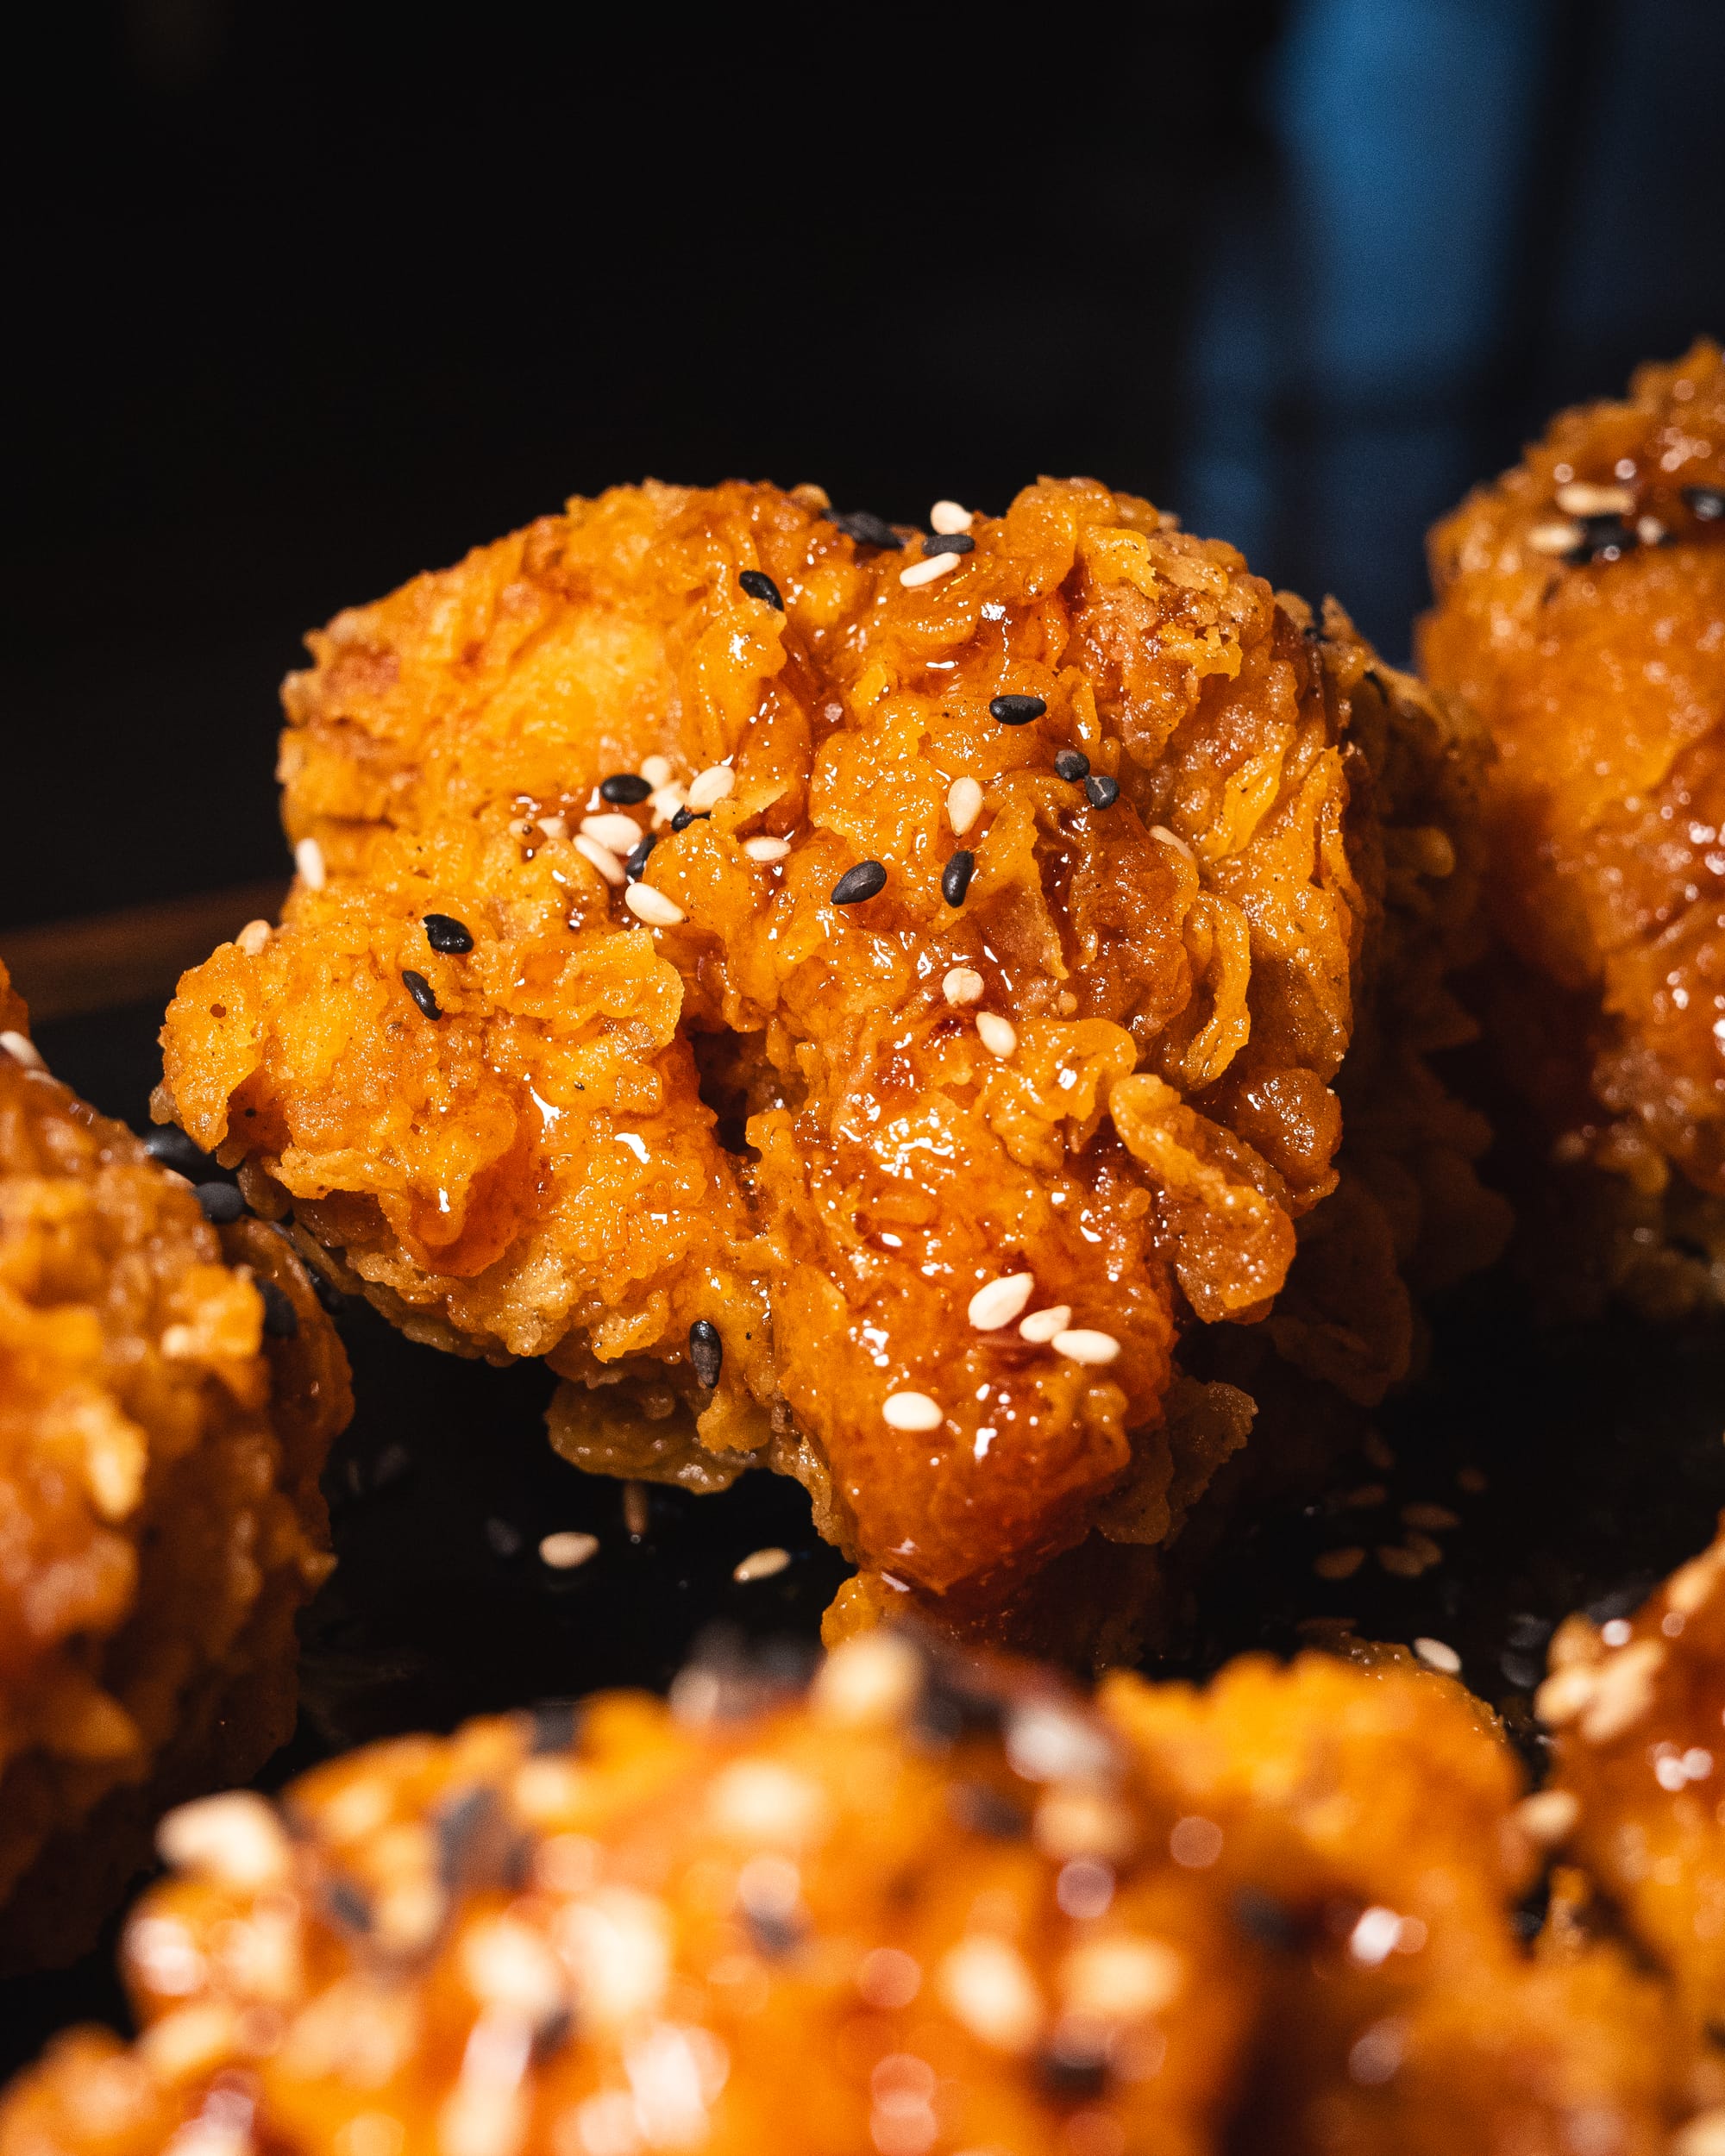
[[937, 1906], [769, 1115], [160, 1516], [1640, 1747], [1596, 657]]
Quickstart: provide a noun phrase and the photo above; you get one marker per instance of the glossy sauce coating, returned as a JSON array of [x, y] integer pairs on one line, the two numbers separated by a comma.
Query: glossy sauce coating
[[160, 1516], [730, 1092], [1593, 646], [937, 1906]]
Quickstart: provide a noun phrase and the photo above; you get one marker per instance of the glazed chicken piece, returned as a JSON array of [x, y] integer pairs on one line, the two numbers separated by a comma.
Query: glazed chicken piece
[[167, 1397], [1639, 1774], [941, 1904], [1581, 611], [854, 1006]]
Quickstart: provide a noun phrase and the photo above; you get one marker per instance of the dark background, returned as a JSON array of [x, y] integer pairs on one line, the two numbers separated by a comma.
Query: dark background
[[306, 296]]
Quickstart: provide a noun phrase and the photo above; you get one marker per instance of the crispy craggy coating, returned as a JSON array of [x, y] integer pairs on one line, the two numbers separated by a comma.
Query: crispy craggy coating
[[1640, 1760], [159, 1517], [768, 1111], [937, 1906], [1581, 609]]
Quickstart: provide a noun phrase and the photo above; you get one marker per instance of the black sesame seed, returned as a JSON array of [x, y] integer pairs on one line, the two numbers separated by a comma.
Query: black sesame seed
[[774, 1936], [174, 1149], [467, 1829], [281, 1320], [707, 1352], [685, 817], [634, 862], [955, 877], [759, 585], [623, 789], [447, 936], [1260, 1916], [868, 530], [1602, 539], [327, 1293], [1074, 2077], [222, 1202], [1072, 763], [344, 1904], [866, 880], [420, 989], [1707, 503], [552, 1724], [981, 1810], [948, 542], [1101, 793], [1017, 711]]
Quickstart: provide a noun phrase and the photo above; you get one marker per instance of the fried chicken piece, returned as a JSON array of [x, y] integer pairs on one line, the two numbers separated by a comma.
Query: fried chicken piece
[[999, 934], [940, 1904], [1366, 1820], [1638, 1774], [160, 1516], [1581, 609]]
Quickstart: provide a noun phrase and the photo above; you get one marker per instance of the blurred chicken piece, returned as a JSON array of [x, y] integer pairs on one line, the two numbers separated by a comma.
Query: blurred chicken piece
[[852, 1007], [159, 1517], [941, 1904], [1635, 1706], [1581, 611]]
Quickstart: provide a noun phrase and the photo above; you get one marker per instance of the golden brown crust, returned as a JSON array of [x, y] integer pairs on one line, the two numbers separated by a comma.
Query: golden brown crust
[[160, 1516], [1595, 651], [555, 1165], [940, 1905]]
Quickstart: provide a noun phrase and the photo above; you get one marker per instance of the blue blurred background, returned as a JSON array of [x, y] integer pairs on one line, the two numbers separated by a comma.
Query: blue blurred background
[[311, 294]]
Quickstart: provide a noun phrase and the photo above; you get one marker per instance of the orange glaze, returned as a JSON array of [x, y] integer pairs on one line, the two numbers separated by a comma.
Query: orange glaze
[[762, 1111], [938, 1905], [1601, 680]]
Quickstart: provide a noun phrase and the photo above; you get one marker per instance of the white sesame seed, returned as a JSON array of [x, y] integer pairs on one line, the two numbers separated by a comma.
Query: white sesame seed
[[1578, 498], [665, 801], [926, 572], [867, 1681], [1649, 530], [1437, 1654], [254, 938], [962, 985], [948, 516], [709, 788], [987, 1984], [652, 907], [963, 804], [308, 858], [617, 833], [1704, 2135], [1548, 1816], [637, 1516], [22, 1049], [235, 1838], [657, 770], [1083, 1345], [760, 1564], [557, 826], [911, 1410], [1173, 839], [995, 1033], [1121, 1979], [1555, 538], [603, 859], [766, 849], [567, 1549], [1041, 1326], [1434, 1519], [1000, 1301]]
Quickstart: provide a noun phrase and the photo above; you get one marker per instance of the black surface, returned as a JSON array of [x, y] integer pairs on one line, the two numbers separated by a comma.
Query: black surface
[[1601, 1449]]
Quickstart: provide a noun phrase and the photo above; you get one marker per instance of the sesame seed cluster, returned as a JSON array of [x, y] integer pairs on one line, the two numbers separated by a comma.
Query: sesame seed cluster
[[167, 1394], [731, 936], [1581, 611], [939, 1903]]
